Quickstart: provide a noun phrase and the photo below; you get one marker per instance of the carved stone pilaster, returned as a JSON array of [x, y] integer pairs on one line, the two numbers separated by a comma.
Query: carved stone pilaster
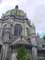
[[34, 53], [4, 51], [9, 54], [1, 53]]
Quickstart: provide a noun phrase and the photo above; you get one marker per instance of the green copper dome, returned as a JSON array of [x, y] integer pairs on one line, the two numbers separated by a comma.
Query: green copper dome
[[15, 11]]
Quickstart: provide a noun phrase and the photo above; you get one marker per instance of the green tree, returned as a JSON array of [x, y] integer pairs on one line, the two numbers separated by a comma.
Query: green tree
[[22, 54], [44, 37]]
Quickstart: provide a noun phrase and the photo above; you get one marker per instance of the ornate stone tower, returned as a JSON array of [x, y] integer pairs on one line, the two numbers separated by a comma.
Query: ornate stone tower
[[16, 31]]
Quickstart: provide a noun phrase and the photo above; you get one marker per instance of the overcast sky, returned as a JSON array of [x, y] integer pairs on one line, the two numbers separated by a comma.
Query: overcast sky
[[35, 10]]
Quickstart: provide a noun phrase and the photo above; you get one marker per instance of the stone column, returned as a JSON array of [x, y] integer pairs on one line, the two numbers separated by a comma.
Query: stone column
[[4, 52], [34, 53], [14, 53], [9, 54], [34, 46], [31, 55], [1, 54]]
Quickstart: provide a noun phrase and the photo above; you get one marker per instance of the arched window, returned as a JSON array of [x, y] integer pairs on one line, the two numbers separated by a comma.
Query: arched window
[[28, 31], [17, 30]]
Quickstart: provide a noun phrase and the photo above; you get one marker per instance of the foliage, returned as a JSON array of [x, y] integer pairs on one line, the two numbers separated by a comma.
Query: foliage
[[22, 54], [44, 37]]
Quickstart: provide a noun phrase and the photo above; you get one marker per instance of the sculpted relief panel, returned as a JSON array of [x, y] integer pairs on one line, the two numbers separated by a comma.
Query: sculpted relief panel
[[6, 32]]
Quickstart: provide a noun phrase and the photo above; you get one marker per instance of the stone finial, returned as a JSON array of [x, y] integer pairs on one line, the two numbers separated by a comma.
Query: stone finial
[[16, 6]]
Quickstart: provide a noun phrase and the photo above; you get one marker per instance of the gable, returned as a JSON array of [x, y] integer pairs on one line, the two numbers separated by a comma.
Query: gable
[[20, 41]]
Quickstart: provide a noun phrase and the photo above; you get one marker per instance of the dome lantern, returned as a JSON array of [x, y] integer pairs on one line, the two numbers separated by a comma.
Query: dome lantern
[[16, 7]]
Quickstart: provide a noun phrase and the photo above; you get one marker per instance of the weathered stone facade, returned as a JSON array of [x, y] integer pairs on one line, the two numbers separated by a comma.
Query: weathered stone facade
[[15, 31]]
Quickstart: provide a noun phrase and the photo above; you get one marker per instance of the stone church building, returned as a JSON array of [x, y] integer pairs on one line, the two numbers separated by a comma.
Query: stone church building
[[17, 31]]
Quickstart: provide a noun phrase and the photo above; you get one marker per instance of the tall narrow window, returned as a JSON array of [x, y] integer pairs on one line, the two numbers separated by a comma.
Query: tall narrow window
[[17, 30], [28, 32]]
